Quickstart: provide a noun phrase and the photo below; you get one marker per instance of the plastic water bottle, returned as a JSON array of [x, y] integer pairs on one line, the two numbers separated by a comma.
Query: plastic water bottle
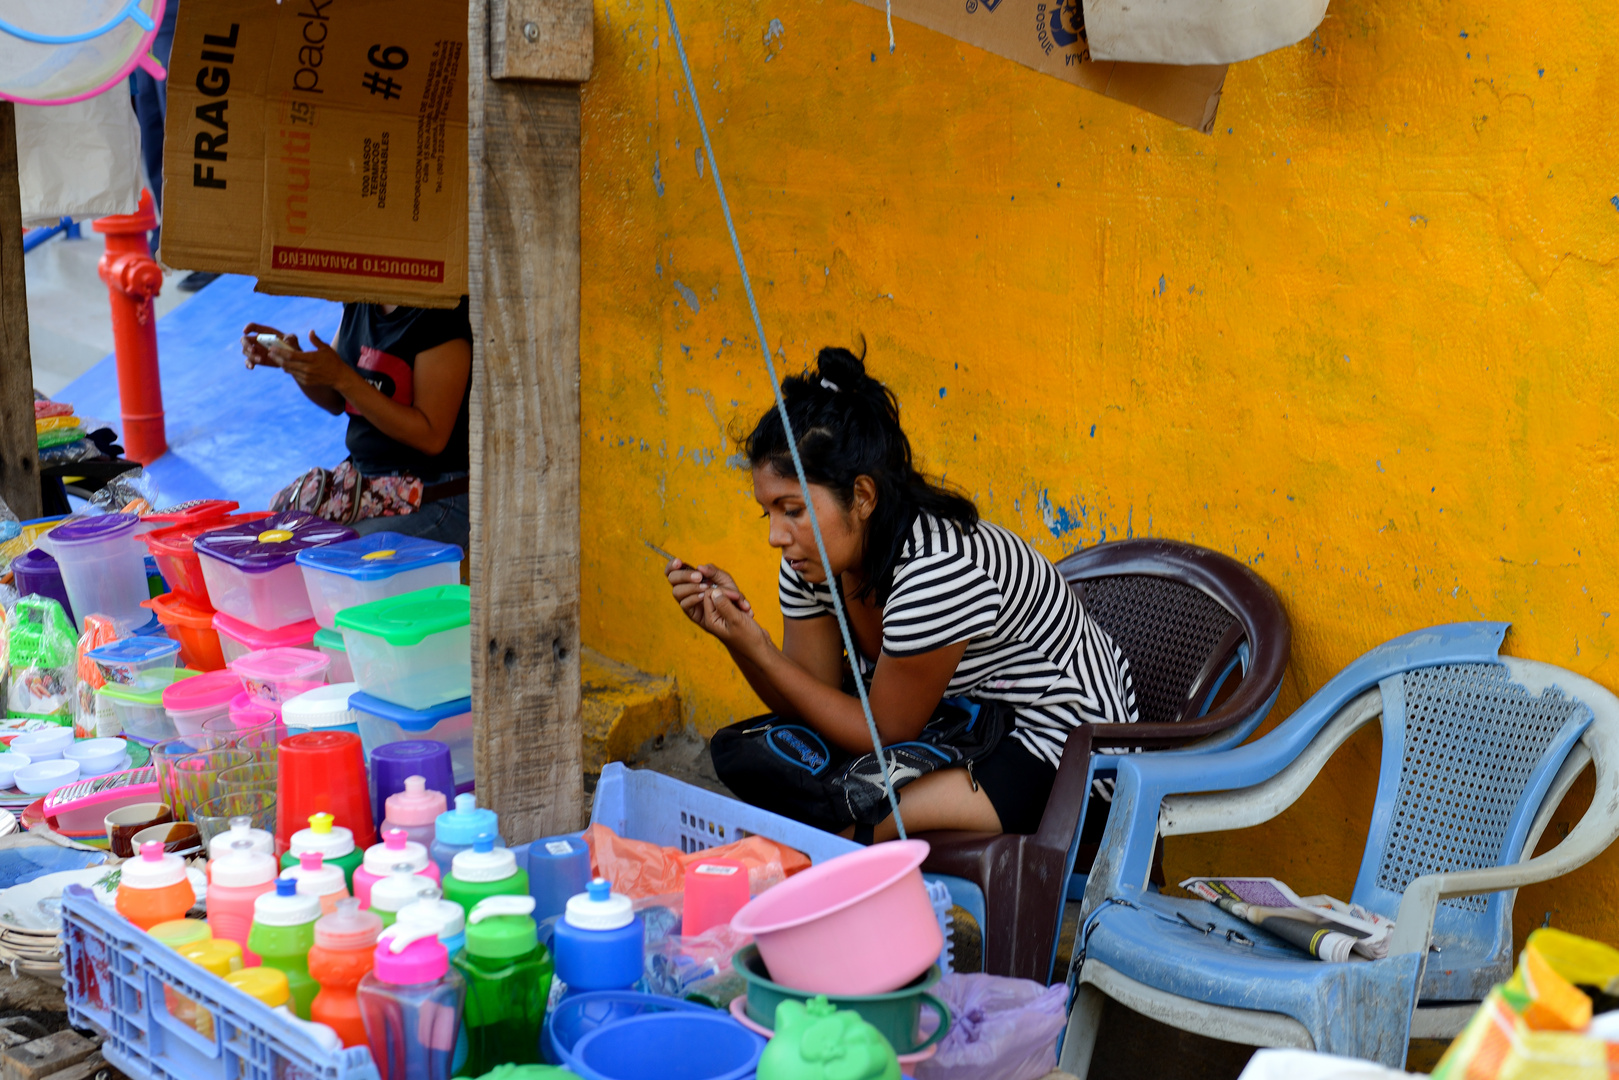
[[483, 872], [241, 831], [402, 886], [335, 844], [319, 880], [598, 941], [345, 942], [416, 810], [396, 849], [283, 933], [454, 832], [153, 888], [237, 878], [430, 908], [508, 976], [411, 1003], [558, 868]]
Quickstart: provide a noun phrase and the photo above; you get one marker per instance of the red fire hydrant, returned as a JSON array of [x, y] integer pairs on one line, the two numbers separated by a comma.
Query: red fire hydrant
[[133, 278]]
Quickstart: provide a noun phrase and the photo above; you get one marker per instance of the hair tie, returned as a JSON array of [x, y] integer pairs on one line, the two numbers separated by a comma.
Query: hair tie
[[830, 385]]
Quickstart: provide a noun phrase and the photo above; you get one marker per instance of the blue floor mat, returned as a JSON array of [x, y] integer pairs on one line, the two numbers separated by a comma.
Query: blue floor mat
[[233, 433]]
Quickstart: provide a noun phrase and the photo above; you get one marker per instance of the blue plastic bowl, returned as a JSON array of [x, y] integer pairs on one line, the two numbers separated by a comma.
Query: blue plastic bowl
[[669, 1046], [577, 1015]]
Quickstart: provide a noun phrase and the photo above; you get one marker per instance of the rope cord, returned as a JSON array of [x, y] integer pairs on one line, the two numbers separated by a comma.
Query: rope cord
[[781, 407]]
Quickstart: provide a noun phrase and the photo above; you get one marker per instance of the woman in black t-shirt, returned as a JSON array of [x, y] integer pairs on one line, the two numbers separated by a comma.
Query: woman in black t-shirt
[[402, 374]]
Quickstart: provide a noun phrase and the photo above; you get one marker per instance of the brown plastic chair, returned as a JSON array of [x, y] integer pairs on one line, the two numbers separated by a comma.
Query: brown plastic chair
[[1184, 616]]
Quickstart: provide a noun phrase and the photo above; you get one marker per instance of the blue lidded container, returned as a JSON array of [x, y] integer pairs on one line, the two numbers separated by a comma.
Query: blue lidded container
[[599, 941], [558, 870], [375, 567]]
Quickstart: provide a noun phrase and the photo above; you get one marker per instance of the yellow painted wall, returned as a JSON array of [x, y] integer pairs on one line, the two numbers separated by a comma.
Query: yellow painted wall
[[1362, 337]]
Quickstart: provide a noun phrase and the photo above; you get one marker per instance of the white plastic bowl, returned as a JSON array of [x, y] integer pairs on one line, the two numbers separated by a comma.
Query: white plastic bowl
[[44, 777], [97, 756], [45, 744], [9, 764]]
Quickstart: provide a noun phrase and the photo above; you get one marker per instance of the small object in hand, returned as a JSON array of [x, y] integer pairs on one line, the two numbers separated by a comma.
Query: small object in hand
[[270, 341]]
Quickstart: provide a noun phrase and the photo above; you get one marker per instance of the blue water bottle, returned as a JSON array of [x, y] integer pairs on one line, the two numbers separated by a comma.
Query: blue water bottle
[[455, 830], [599, 941]]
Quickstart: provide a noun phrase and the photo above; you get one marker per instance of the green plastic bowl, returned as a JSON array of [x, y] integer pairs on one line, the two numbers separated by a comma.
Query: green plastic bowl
[[896, 1014]]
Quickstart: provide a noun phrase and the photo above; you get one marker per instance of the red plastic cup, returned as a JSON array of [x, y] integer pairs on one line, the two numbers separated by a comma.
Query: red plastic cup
[[323, 772], [716, 889]]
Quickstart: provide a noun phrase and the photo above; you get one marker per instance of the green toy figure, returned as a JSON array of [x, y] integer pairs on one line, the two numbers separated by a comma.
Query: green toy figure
[[814, 1041]]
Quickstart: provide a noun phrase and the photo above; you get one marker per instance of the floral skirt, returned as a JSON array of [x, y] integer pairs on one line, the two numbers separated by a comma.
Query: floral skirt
[[344, 496]]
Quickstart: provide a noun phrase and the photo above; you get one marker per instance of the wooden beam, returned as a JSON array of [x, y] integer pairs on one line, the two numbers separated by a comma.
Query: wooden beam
[[19, 457], [523, 154]]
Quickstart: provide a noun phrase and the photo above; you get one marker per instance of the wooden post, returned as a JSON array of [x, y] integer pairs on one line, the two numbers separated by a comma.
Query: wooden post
[[524, 279], [19, 457]]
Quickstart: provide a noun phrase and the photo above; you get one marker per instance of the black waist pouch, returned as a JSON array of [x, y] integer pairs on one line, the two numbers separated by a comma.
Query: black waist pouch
[[786, 767]]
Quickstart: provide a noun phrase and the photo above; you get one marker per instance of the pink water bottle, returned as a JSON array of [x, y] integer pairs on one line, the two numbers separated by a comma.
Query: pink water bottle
[[415, 810], [238, 876], [315, 878], [384, 858]]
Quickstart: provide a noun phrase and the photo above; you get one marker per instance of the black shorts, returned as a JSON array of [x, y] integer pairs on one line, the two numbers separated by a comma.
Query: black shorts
[[1017, 783]]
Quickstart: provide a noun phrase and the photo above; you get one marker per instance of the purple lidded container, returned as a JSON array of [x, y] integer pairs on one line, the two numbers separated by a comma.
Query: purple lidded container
[[103, 566], [250, 569]]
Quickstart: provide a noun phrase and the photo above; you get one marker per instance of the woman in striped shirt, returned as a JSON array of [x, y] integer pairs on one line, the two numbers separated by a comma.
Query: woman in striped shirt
[[939, 603]]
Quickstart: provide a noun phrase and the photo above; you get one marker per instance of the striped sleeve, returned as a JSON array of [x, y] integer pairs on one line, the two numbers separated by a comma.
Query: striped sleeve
[[800, 599], [939, 599]]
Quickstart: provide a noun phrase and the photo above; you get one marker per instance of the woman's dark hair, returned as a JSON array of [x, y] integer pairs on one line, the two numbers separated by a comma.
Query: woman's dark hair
[[847, 426]]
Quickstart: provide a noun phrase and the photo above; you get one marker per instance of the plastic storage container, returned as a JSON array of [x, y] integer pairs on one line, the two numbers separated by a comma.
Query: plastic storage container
[[414, 650], [143, 663], [275, 676], [103, 566], [375, 567], [237, 638], [411, 1001], [325, 708], [140, 713], [191, 624], [383, 722], [35, 573], [330, 642], [176, 559], [251, 570], [115, 979], [191, 512], [191, 703]]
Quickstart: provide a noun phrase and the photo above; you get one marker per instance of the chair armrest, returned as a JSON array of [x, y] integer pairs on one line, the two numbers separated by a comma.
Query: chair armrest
[[1597, 829]]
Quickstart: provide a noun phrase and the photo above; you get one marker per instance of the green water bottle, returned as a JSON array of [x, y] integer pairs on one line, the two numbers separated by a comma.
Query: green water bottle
[[283, 933], [508, 976], [483, 872]]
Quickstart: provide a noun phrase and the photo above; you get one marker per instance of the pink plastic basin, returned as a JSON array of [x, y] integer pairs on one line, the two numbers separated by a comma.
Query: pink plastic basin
[[857, 924]]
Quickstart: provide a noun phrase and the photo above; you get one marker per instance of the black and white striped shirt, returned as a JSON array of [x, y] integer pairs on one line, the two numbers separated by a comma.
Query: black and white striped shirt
[[1030, 643]]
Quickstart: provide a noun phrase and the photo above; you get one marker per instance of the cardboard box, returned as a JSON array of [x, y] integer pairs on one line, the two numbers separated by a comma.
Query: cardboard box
[[320, 145], [1048, 36]]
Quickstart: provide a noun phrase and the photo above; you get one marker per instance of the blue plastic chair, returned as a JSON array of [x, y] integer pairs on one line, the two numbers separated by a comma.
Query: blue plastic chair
[[1478, 752]]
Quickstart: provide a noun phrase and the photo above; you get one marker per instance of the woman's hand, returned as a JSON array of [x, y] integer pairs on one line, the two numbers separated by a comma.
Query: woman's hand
[[694, 588], [320, 367], [261, 355], [730, 621]]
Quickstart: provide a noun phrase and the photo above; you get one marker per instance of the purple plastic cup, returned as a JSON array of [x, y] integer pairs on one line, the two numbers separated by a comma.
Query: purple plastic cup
[[392, 762], [36, 574]]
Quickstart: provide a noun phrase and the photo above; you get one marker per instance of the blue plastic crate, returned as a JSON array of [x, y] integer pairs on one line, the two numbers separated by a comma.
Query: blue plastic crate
[[118, 982], [644, 805]]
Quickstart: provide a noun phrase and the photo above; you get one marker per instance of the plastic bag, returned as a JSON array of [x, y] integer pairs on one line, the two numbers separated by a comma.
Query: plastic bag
[[81, 161], [641, 870], [88, 721], [1000, 1029], [675, 964], [132, 492], [40, 650]]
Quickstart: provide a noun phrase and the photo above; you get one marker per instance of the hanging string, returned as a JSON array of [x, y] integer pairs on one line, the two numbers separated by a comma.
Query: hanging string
[[787, 425], [888, 7]]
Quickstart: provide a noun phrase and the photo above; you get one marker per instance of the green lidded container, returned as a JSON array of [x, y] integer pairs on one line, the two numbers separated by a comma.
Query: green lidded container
[[413, 649], [508, 976], [483, 872]]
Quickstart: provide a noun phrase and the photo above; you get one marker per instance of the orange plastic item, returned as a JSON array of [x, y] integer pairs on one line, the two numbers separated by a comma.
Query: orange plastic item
[[639, 869], [1555, 1004], [99, 630], [133, 278], [153, 888], [178, 562], [192, 625], [339, 972]]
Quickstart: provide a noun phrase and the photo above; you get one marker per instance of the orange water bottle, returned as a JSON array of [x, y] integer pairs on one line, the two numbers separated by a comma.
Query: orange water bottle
[[344, 943], [153, 888]]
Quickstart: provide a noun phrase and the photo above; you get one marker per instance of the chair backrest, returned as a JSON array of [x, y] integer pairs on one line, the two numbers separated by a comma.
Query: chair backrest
[[1469, 752], [1182, 614]]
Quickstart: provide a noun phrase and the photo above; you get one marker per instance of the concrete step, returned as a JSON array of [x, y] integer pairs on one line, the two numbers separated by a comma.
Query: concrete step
[[624, 710]]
